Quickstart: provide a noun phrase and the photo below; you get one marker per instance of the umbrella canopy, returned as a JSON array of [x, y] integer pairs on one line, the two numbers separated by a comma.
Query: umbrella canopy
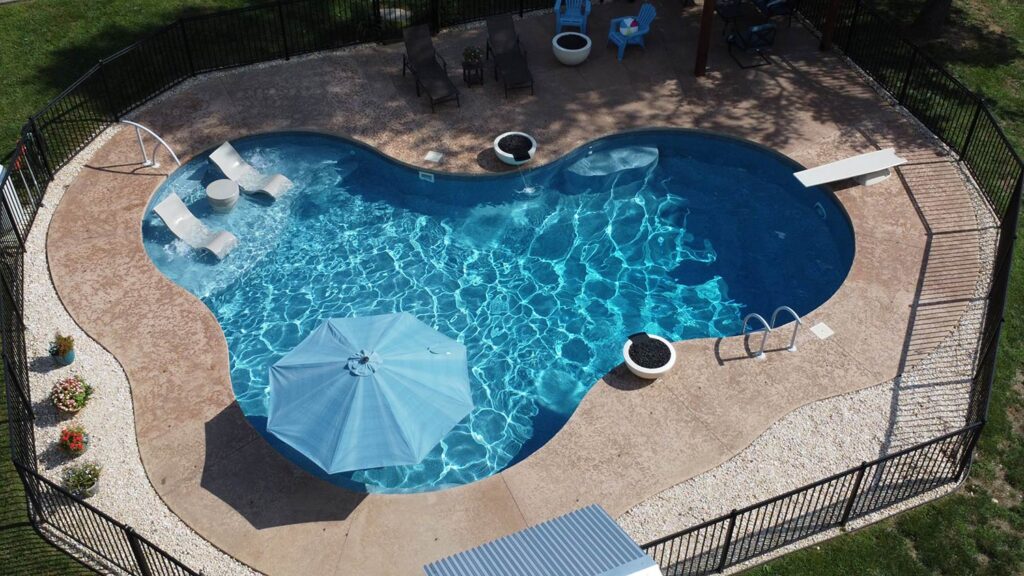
[[368, 392]]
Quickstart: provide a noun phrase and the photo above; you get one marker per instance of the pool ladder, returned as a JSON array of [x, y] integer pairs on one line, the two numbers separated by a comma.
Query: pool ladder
[[769, 327]]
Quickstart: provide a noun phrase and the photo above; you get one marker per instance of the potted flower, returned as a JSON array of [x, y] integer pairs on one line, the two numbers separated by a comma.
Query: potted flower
[[74, 440], [71, 394], [63, 349], [82, 480], [472, 55]]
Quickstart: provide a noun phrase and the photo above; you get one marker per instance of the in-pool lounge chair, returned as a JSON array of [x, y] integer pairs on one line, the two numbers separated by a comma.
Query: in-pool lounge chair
[[867, 169], [510, 64], [249, 179], [429, 69], [184, 224]]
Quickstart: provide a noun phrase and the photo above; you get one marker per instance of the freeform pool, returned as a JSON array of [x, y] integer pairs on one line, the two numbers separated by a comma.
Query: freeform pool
[[542, 274]]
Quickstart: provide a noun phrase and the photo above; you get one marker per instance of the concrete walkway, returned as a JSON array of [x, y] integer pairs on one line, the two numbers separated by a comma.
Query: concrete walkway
[[627, 441]]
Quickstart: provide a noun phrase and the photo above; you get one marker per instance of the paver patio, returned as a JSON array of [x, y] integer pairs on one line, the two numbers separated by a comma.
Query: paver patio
[[626, 441]]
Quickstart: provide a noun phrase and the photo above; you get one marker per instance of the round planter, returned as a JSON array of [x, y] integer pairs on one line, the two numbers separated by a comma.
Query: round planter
[[649, 373], [91, 490], [66, 359], [508, 158], [571, 48], [85, 442]]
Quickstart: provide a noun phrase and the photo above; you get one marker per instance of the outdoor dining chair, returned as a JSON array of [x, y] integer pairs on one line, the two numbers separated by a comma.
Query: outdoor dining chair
[[756, 39], [644, 19]]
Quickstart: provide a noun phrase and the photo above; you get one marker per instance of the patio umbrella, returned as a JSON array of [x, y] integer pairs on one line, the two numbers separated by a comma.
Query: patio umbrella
[[368, 392]]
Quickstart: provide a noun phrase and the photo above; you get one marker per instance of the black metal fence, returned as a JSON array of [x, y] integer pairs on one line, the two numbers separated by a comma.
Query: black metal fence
[[963, 122], [192, 46]]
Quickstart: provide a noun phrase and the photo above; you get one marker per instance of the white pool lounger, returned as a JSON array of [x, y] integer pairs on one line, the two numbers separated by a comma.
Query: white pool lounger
[[868, 169], [249, 179], [191, 230]]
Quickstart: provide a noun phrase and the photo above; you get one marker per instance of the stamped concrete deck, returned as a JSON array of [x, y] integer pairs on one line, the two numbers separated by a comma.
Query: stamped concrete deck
[[627, 441]]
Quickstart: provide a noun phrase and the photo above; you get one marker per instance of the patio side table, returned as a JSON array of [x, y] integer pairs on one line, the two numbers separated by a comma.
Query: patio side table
[[473, 73]]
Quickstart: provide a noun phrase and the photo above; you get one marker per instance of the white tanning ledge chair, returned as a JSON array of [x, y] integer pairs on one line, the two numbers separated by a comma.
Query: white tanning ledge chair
[[248, 178], [186, 226], [867, 169]]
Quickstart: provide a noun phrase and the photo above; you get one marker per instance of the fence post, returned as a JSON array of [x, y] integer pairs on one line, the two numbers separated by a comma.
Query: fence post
[[284, 33], [902, 97], [32, 496], [853, 27], [848, 509], [728, 541], [965, 460], [37, 138], [829, 27], [970, 131], [188, 48], [435, 16], [140, 557]]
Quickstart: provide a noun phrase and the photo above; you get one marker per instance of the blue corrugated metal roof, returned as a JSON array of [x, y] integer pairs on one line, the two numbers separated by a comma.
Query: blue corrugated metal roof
[[586, 542]]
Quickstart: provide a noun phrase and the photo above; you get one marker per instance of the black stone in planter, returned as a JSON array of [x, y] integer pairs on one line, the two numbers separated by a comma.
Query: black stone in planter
[[517, 145], [648, 352], [572, 42]]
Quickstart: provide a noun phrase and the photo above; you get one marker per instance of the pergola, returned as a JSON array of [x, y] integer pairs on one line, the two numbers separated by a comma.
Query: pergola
[[707, 22]]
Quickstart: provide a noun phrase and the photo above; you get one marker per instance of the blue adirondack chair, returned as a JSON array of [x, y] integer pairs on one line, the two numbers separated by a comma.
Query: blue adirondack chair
[[645, 18], [575, 14]]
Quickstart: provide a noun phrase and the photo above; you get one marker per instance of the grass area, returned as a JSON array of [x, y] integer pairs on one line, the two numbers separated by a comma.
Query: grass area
[[22, 551], [46, 44], [979, 530]]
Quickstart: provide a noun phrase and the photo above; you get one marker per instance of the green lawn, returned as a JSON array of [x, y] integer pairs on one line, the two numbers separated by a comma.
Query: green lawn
[[979, 530]]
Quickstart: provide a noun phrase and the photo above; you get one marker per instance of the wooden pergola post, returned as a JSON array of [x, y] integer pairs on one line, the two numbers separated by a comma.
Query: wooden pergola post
[[829, 27], [707, 22]]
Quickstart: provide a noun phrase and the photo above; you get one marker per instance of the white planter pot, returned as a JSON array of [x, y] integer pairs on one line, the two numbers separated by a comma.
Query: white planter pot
[[508, 158], [649, 373], [571, 57]]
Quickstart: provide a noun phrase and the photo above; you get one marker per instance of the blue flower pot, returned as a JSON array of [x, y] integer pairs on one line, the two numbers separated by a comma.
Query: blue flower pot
[[67, 358]]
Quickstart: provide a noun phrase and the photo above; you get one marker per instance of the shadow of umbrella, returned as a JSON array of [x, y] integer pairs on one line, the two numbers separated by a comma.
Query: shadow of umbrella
[[267, 489]]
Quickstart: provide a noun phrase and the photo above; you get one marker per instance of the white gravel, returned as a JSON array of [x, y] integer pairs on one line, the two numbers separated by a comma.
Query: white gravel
[[125, 492]]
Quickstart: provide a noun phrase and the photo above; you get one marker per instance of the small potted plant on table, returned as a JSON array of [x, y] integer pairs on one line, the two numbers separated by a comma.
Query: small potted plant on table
[[82, 480], [71, 394], [472, 66], [63, 349], [74, 440]]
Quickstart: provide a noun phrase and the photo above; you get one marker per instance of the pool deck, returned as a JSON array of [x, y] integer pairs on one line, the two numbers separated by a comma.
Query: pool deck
[[627, 441]]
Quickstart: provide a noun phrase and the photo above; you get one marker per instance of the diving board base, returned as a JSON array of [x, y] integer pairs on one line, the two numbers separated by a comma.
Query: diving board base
[[873, 177]]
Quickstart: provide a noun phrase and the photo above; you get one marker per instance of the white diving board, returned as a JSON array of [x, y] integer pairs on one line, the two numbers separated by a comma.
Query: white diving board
[[868, 169]]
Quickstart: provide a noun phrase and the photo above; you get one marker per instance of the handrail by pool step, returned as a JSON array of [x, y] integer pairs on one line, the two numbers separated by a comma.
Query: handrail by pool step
[[799, 322], [769, 327], [146, 161], [767, 330]]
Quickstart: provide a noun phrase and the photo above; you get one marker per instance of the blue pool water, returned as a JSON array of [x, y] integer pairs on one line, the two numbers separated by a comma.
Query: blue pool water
[[541, 274]]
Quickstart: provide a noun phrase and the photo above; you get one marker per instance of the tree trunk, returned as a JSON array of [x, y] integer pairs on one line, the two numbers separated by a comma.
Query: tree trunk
[[931, 19]]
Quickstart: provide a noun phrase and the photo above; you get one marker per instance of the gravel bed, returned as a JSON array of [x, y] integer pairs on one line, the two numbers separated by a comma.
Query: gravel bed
[[838, 433], [125, 492]]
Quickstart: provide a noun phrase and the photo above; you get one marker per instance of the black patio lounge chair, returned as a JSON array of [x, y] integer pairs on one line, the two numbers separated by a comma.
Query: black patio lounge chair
[[510, 64], [729, 11], [773, 8], [427, 66], [757, 39]]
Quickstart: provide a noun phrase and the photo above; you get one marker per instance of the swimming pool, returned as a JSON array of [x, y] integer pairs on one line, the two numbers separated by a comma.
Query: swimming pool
[[541, 274]]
